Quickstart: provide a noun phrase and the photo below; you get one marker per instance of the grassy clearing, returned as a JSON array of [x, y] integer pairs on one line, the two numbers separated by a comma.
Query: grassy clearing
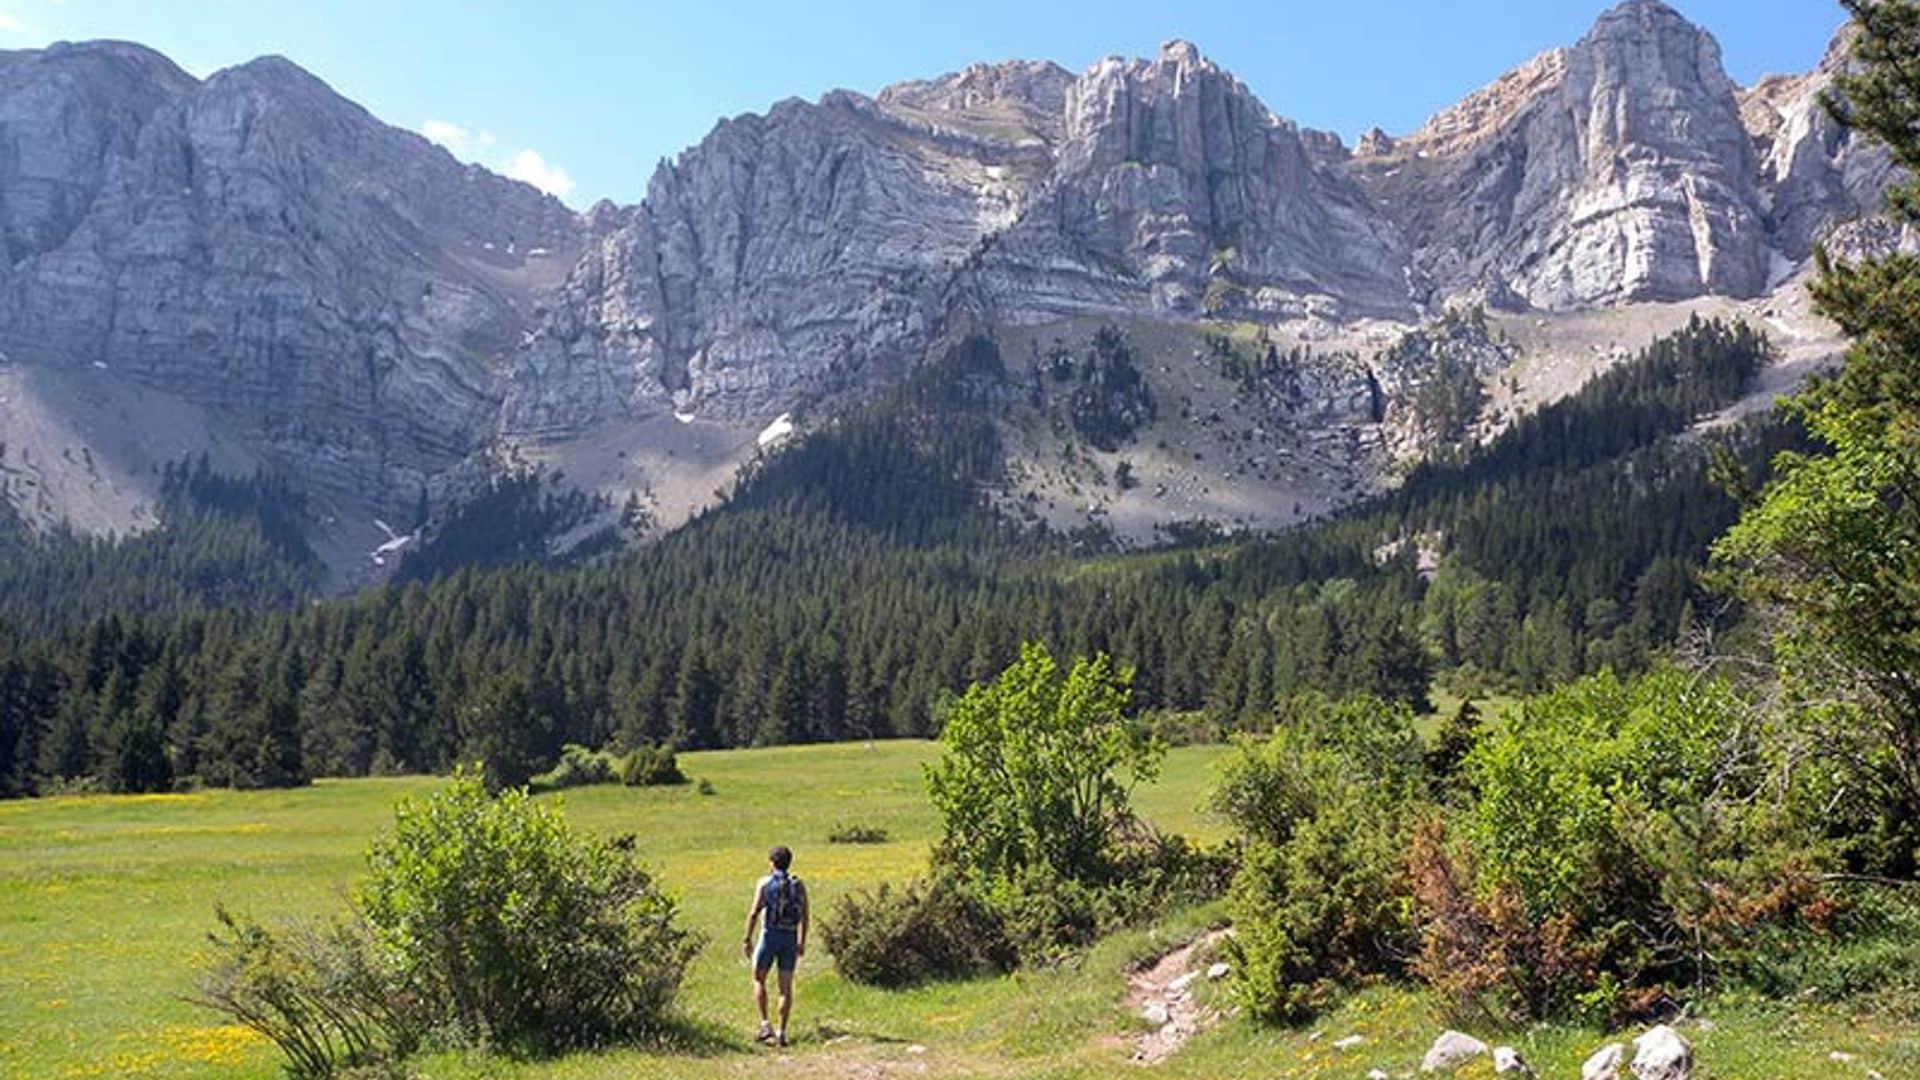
[[104, 903]]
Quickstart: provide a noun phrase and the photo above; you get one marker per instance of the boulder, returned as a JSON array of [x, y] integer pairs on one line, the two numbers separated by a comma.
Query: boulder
[[1218, 971], [1661, 1053], [1605, 1063], [1156, 1014], [1451, 1050], [1508, 1062]]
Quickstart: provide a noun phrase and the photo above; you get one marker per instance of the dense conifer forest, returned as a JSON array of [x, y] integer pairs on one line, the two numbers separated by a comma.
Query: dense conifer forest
[[853, 582]]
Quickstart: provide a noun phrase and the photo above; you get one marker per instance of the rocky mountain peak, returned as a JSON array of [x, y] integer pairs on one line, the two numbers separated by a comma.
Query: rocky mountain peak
[[1014, 100], [1615, 170]]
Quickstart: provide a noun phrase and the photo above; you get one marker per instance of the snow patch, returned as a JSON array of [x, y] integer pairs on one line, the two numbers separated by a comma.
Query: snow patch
[[394, 542], [778, 431]]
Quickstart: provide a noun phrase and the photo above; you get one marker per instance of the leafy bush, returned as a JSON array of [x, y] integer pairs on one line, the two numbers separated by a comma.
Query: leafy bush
[[1629, 841], [856, 834], [639, 767], [931, 929], [1324, 808], [313, 989], [1038, 770], [578, 767], [475, 903], [646, 766]]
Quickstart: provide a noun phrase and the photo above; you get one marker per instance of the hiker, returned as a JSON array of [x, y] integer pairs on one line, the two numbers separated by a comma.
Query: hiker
[[783, 940]]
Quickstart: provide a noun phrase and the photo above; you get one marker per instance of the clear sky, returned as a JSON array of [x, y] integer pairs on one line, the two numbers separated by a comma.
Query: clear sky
[[584, 96]]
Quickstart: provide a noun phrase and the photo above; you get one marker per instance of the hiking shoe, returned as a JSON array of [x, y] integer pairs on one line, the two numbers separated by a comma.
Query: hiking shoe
[[766, 1033], [780, 1040]]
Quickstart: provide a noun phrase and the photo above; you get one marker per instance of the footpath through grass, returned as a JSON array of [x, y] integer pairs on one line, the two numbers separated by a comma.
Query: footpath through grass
[[105, 902]]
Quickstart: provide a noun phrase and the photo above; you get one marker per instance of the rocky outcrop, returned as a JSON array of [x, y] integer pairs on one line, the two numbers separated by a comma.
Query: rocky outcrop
[[823, 245], [1177, 192], [342, 289], [788, 255], [1614, 171], [1814, 174]]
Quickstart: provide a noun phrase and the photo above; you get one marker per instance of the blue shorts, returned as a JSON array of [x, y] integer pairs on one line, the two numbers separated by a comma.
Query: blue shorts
[[777, 947]]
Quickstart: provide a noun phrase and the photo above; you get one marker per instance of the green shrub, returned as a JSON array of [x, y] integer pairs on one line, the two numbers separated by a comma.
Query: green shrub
[[313, 989], [639, 767], [1038, 768], [477, 905], [856, 834], [1324, 808], [647, 766], [1628, 842], [932, 929], [578, 767], [1045, 917]]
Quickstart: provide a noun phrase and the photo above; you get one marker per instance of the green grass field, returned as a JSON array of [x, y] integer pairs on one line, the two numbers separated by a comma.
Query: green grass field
[[105, 902]]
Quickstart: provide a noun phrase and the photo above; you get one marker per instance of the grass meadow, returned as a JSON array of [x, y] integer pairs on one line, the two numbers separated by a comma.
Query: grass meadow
[[105, 903]]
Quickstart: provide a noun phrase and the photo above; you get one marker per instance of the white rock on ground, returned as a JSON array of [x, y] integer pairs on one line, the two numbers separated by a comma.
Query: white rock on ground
[[1378, 1074], [1179, 985], [1507, 1060], [1451, 1050], [1661, 1053], [1218, 971], [1349, 1042], [1155, 1014], [1605, 1063]]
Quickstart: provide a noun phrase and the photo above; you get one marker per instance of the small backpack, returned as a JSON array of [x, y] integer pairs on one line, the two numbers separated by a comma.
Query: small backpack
[[786, 901]]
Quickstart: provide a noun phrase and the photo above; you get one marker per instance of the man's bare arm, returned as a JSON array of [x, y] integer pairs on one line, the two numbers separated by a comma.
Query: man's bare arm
[[753, 917], [806, 920]]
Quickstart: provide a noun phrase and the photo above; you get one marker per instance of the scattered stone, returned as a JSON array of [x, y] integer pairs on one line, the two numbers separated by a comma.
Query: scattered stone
[[1661, 1053], [1451, 1050], [1218, 970], [1378, 1074], [1507, 1060], [1349, 1042], [1156, 1014], [1605, 1063], [916, 1048], [1179, 985], [1841, 1057]]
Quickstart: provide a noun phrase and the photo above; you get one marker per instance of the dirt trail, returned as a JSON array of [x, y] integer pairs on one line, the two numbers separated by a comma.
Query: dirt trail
[[1162, 993]]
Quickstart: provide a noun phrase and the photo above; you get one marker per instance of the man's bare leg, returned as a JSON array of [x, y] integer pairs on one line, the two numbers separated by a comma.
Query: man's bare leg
[[786, 1000], [760, 999]]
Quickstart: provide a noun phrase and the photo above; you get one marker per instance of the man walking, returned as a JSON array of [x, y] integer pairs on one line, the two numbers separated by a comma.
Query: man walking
[[783, 939]]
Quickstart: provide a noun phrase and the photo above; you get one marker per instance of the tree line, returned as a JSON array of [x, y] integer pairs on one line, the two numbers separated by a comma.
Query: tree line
[[852, 583]]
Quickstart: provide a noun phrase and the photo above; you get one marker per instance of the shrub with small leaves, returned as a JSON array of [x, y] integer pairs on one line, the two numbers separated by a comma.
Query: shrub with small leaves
[[856, 834], [476, 902], [933, 928]]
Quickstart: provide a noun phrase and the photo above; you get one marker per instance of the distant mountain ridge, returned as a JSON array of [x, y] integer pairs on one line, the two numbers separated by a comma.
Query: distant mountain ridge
[[379, 318]]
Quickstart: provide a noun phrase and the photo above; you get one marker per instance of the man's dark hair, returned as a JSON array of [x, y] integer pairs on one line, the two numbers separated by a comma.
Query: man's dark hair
[[781, 858]]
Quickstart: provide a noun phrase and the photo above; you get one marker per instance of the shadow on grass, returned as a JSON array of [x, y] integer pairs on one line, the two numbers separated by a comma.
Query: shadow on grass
[[827, 1033]]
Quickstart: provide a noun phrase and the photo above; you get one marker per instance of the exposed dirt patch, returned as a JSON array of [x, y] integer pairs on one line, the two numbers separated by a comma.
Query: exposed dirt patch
[[1163, 993]]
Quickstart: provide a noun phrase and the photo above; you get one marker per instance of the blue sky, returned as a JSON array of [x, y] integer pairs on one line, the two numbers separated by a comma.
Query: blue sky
[[585, 96]]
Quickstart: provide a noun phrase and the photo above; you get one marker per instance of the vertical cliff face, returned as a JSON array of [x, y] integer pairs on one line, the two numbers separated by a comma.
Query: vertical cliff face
[[790, 254], [1614, 171], [261, 245], [1814, 175], [1177, 192]]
